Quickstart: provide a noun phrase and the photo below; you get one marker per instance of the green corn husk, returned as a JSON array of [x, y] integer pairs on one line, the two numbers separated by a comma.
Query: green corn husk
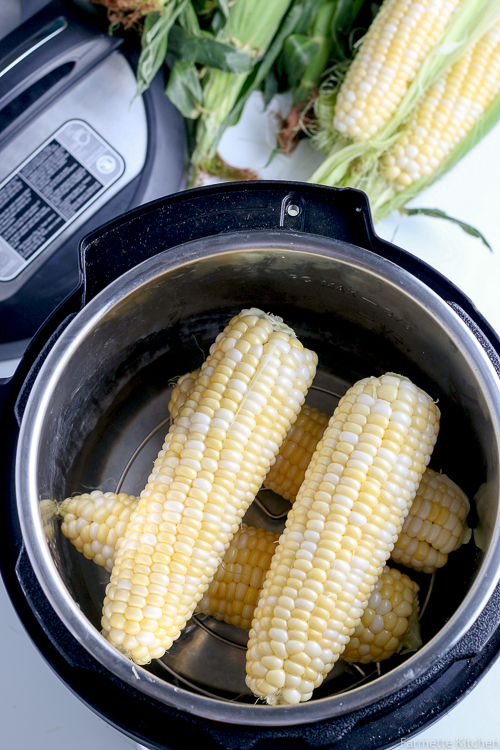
[[154, 41], [322, 36], [333, 28], [262, 69], [251, 26], [348, 162], [330, 33], [412, 639]]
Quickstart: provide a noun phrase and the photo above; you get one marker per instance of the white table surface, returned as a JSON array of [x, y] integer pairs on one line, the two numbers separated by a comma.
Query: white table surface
[[37, 711]]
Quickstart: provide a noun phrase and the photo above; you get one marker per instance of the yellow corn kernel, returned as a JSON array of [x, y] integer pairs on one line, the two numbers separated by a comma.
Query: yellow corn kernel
[[380, 615], [84, 521], [230, 599], [288, 472], [181, 391], [227, 588]]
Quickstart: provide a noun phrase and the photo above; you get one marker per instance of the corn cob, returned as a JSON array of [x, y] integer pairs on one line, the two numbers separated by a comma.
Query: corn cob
[[233, 593], [436, 525], [361, 121], [450, 108], [339, 535], [392, 51], [211, 466], [89, 521], [425, 540], [386, 623], [287, 474]]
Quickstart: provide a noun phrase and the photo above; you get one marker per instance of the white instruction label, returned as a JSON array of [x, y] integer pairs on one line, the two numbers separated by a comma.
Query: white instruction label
[[53, 186]]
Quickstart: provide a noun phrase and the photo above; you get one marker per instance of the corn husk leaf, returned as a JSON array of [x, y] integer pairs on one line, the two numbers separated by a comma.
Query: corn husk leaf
[[297, 53], [470, 22], [342, 26], [436, 213], [485, 501], [188, 19], [252, 24], [412, 640], [223, 7], [269, 90], [154, 42], [184, 89], [206, 50], [309, 10], [263, 72], [321, 34]]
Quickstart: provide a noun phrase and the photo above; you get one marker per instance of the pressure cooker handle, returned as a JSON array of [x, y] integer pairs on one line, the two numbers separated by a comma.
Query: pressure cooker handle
[[110, 251], [44, 55]]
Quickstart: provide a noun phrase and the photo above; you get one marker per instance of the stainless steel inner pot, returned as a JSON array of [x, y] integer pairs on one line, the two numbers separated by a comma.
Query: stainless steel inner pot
[[97, 415]]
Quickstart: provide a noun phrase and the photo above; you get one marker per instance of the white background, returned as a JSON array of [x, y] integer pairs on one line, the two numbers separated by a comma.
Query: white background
[[37, 711]]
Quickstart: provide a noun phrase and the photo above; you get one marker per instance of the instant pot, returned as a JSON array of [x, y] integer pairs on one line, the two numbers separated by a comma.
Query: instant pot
[[87, 408], [77, 147]]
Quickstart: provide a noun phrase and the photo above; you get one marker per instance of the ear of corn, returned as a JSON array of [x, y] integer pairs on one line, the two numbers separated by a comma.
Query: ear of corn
[[383, 629], [233, 593], [436, 525], [339, 534], [96, 523], [456, 111], [287, 473], [388, 59], [181, 391], [221, 90], [449, 109], [215, 456], [407, 68]]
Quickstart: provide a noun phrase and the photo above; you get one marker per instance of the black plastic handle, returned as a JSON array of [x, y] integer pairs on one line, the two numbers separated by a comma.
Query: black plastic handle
[[45, 55], [217, 209]]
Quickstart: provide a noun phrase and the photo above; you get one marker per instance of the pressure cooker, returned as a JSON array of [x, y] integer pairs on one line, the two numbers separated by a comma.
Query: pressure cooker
[[87, 408]]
